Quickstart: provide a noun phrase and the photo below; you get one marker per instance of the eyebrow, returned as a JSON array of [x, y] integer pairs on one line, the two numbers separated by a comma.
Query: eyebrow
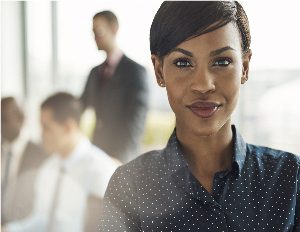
[[220, 50], [185, 52], [212, 53]]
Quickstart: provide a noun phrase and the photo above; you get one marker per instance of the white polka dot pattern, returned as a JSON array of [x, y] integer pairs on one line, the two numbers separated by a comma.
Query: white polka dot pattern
[[157, 192]]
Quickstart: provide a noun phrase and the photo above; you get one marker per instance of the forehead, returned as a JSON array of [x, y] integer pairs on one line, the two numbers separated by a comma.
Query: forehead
[[227, 35], [100, 22]]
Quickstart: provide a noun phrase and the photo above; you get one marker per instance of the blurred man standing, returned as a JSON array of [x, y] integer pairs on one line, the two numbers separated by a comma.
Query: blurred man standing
[[117, 90], [76, 172], [19, 158]]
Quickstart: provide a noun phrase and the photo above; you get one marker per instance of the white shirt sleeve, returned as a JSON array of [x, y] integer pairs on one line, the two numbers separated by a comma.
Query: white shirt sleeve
[[100, 174]]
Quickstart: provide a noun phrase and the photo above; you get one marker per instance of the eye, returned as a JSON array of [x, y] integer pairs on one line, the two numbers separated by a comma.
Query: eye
[[222, 62], [182, 63]]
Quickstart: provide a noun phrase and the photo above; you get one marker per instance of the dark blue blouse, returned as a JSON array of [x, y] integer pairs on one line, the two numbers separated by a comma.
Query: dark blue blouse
[[157, 192]]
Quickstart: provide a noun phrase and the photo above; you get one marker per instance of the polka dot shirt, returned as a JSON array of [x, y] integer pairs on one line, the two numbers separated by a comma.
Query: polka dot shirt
[[157, 192]]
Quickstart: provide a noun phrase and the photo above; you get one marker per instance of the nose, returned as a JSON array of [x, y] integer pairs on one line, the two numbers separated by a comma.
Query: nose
[[202, 82]]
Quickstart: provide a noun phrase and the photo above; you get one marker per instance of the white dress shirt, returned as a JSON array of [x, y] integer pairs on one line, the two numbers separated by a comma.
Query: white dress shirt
[[87, 171]]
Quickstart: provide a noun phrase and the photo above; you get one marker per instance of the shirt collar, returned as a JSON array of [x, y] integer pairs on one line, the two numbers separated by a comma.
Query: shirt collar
[[239, 150], [175, 157], [114, 58]]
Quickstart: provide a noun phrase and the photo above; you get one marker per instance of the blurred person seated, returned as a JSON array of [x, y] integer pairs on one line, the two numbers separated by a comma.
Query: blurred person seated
[[20, 158], [72, 179]]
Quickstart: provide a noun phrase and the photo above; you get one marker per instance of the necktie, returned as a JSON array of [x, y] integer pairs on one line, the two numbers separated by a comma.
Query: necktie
[[55, 200]]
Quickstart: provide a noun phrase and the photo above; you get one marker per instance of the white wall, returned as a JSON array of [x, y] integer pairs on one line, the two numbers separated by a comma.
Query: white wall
[[11, 50]]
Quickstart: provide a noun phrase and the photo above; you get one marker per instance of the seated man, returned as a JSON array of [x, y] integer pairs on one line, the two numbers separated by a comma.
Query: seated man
[[76, 172], [20, 158]]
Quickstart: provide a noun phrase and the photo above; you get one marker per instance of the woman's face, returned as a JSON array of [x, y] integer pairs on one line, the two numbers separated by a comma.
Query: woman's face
[[203, 77]]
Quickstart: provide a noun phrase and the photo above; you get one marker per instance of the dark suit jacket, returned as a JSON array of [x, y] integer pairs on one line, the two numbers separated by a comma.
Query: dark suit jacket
[[32, 158], [19, 196], [121, 104]]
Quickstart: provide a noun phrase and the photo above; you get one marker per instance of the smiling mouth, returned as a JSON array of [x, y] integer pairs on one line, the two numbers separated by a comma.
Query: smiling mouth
[[204, 109]]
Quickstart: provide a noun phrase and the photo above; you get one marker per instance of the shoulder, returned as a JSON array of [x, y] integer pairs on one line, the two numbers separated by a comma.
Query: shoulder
[[144, 166], [93, 72], [95, 68], [134, 176], [274, 157], [128, 63], [137, 76], [98, 160]]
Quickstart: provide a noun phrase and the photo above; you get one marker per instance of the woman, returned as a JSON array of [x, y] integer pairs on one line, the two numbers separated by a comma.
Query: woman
[[207, 178]]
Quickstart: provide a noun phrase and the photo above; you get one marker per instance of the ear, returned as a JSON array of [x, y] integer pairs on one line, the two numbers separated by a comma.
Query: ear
[[246, 62], [158, 69]]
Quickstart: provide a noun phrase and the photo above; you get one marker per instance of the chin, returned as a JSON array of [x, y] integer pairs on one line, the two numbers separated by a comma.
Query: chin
[[203, 127], [99, 47], [208, 129]]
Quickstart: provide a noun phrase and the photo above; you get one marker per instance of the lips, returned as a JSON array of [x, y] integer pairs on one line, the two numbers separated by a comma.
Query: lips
[[204, 109]]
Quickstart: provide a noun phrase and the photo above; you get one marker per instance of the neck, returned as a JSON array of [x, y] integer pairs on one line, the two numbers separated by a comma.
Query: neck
[[109, 51], [207, 155], [70, 146]]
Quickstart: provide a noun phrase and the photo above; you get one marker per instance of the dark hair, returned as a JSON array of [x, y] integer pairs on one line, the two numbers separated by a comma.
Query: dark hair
[[63, 106], [109, 16], [178, 21], [5, 101]]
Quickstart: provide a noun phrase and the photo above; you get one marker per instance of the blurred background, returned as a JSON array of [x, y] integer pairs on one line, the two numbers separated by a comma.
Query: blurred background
[[49, 46]]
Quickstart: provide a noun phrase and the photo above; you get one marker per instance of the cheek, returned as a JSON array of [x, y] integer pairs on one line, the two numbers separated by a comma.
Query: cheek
[[234, 95], [106, 39], [48, 138], [175, 89], [230, 87], [52, 136], [172, 98]]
